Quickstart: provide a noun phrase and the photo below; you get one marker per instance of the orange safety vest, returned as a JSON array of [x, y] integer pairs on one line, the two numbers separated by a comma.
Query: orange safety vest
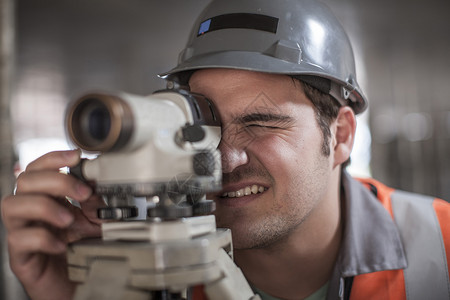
[[412, 283], [403, 284]]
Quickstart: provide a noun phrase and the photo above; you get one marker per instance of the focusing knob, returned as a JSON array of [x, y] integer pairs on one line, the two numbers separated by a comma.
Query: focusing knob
[[170, 212], [204, 207], [204, 164], [117, 213], [193, 133]]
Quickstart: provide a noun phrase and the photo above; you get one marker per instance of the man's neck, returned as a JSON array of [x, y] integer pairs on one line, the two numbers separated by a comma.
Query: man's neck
[[299, 264]]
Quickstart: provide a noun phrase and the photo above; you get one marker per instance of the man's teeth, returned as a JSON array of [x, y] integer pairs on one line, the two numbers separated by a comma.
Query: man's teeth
[[253, 189]]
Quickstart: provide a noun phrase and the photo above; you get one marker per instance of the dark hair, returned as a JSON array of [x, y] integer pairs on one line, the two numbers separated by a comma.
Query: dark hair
[[327, 109]]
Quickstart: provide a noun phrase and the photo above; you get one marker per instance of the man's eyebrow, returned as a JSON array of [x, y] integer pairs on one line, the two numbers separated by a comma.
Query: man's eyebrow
[[262, 117]]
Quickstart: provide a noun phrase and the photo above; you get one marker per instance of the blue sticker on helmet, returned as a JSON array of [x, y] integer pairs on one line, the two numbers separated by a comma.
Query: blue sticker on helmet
[[204, 27]]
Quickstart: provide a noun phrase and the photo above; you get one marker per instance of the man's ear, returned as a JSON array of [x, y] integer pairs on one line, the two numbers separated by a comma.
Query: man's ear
[[344, 135]]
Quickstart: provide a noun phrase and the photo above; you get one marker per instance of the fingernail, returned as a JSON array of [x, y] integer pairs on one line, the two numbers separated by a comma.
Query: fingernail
[[83, 190], [71, 155]]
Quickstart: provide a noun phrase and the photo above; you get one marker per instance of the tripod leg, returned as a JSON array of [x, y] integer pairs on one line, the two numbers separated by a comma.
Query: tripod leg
[[232, 285]]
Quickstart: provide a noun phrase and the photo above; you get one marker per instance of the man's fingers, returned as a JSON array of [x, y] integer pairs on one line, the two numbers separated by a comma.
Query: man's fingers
[[91, 206], [20, 211], [31, 240], [52, 183], [55, 160], [29, 249]]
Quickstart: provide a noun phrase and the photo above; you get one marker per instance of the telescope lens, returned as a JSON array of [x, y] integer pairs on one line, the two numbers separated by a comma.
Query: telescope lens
[[90, 124], [99, 123]]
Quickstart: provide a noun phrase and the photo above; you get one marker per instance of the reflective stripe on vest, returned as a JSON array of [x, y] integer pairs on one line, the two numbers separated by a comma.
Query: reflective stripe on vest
[[426, 276]]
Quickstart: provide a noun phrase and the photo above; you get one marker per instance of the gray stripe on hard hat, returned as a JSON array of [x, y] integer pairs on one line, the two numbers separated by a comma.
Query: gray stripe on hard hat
[[426, 276]]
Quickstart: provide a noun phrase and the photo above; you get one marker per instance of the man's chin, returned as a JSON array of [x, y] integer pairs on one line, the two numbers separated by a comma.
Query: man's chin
[[241, 240]]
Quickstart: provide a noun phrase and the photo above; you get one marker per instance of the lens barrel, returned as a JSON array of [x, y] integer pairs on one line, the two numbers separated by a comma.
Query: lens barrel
[[99, 122]]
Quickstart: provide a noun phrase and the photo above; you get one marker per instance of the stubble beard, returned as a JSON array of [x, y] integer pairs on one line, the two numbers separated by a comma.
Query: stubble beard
[[286, 214]]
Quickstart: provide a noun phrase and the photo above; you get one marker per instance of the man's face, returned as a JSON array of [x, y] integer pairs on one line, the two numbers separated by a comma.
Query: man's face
[[274, 172]]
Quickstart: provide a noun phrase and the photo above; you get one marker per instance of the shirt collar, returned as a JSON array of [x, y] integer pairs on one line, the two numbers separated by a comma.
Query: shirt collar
[[371, 241]]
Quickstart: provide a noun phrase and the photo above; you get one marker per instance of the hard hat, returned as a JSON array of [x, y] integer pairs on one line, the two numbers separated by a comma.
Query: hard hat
[[300, 38]]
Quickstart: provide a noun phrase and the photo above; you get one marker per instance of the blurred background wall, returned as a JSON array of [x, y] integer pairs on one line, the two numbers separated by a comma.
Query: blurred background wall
[[64, 48]]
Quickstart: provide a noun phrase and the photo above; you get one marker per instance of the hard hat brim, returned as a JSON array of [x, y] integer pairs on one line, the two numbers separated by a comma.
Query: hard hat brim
[[258, 62]]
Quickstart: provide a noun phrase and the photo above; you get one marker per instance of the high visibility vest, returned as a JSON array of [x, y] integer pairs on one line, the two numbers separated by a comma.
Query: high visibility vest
[[424, 225]]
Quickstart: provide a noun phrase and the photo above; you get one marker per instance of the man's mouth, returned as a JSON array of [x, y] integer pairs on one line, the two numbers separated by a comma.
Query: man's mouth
[[246, 191]]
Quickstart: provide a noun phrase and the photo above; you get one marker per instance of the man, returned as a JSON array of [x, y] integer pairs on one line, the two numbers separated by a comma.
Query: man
[[281, 74]]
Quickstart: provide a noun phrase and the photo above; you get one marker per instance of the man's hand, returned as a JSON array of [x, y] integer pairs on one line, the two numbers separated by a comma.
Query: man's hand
[[41, 222]]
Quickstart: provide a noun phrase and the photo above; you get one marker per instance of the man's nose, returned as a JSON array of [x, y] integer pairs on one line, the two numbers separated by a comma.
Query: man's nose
[[232, 156]]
